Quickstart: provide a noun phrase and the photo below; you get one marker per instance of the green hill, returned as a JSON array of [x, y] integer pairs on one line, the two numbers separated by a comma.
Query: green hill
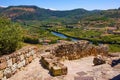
[[82, 16]]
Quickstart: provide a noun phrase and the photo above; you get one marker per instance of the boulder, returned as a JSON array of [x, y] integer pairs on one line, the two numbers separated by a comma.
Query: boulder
[[3, 65], [98, 60], [52, 63]]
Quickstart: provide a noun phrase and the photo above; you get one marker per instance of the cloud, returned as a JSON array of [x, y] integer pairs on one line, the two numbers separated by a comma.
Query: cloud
[[2, 6], [53, 9]]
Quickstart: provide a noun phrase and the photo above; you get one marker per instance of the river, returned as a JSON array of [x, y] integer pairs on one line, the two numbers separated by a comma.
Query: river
[[63, 36], [76, 39]]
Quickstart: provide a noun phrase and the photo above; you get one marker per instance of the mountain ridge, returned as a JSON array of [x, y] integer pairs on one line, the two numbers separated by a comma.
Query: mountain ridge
[[25, 12]]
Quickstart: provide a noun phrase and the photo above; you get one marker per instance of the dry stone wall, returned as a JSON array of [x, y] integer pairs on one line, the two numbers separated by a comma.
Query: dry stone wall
[[10, 64], [76, 50], [53, 64]]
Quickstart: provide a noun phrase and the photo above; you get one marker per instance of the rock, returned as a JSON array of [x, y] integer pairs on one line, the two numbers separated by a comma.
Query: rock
[[26, 61], [81, 73], [56, 71], [14, 60], [52, 63], [2, 59], [76, 50], [114, 54], [8, 72], [18, 59], [28, 54], [115, 62], [34, 56], [21, 64], [9, 62], [64, 70], [1, 75], [3, 65], [22, 57], [32, 52], [4, 78], [30, 59], [14, 68], [84, 78], [98, 60]]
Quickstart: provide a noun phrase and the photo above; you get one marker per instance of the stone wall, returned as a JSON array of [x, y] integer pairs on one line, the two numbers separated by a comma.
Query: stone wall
[[53, 64], [76, 50], [12, 63]]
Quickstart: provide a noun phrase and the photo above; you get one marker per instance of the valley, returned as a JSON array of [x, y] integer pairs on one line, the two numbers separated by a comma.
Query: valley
[[43, 44]]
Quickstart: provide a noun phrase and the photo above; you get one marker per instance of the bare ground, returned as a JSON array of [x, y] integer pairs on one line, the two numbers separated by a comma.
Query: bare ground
[[82, 69]]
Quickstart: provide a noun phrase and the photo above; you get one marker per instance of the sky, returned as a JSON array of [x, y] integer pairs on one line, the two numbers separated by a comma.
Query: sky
[[65, 4]]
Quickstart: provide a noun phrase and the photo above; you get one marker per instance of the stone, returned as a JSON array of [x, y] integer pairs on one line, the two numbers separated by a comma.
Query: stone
[[115, 62], [7, 57], [18, 59], [4, 78], [3, 65], [64, 70], [2, 60], [81, 73], [8, 72], [52, 63], [28, 54], [55, 71], [9, 62], [14, 60], [76, 50], [98, 60], [22, 57], [21, 64], [84, 78], [1, 75], [34, 56], [32, 52], [26, 61], [14, 68], [30, 59]]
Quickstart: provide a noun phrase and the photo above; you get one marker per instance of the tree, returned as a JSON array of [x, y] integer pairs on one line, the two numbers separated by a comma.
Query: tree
[[10, 36]]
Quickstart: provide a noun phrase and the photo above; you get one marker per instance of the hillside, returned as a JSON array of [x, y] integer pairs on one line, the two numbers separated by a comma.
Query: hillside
[[28, 13], [35, 13]]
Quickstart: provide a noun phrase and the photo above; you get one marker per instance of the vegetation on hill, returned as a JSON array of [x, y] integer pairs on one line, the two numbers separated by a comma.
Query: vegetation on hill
[[85, 24], [85, 17]]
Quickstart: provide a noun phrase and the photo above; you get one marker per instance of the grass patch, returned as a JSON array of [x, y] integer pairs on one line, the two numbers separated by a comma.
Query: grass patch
[[114, 48]]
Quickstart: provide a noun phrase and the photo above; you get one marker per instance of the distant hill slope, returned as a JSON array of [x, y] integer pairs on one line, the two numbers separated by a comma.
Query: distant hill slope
[[36, 13], [23, 13]]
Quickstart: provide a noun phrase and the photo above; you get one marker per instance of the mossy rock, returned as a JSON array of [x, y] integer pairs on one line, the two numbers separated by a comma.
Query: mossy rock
[[56, 71]]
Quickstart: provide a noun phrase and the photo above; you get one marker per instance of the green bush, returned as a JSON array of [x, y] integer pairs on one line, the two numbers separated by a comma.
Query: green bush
[[10, 36], [31, 40]]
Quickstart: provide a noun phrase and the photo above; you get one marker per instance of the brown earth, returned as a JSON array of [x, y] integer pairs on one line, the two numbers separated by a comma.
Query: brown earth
[[80, 69]]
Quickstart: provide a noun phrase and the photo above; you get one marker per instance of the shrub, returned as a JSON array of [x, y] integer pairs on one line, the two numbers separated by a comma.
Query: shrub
[[10, 36], [31, 40]]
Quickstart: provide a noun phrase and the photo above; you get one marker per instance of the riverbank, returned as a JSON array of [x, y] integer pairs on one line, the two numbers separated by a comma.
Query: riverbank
[[93, 40], [114, 47]]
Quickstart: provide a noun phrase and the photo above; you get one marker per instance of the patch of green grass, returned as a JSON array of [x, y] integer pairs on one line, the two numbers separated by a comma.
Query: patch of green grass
[[114, 48]]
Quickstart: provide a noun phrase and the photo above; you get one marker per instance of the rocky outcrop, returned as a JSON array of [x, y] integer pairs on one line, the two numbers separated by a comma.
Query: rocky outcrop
[[53, 64], [76, 50], [98, 60], [10, 64]]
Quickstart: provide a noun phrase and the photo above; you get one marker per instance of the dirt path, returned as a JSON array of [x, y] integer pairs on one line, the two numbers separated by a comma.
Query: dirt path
[[77, 70]]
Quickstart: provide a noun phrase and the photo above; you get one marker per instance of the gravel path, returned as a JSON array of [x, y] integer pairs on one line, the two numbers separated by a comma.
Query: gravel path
[[81, 69]]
